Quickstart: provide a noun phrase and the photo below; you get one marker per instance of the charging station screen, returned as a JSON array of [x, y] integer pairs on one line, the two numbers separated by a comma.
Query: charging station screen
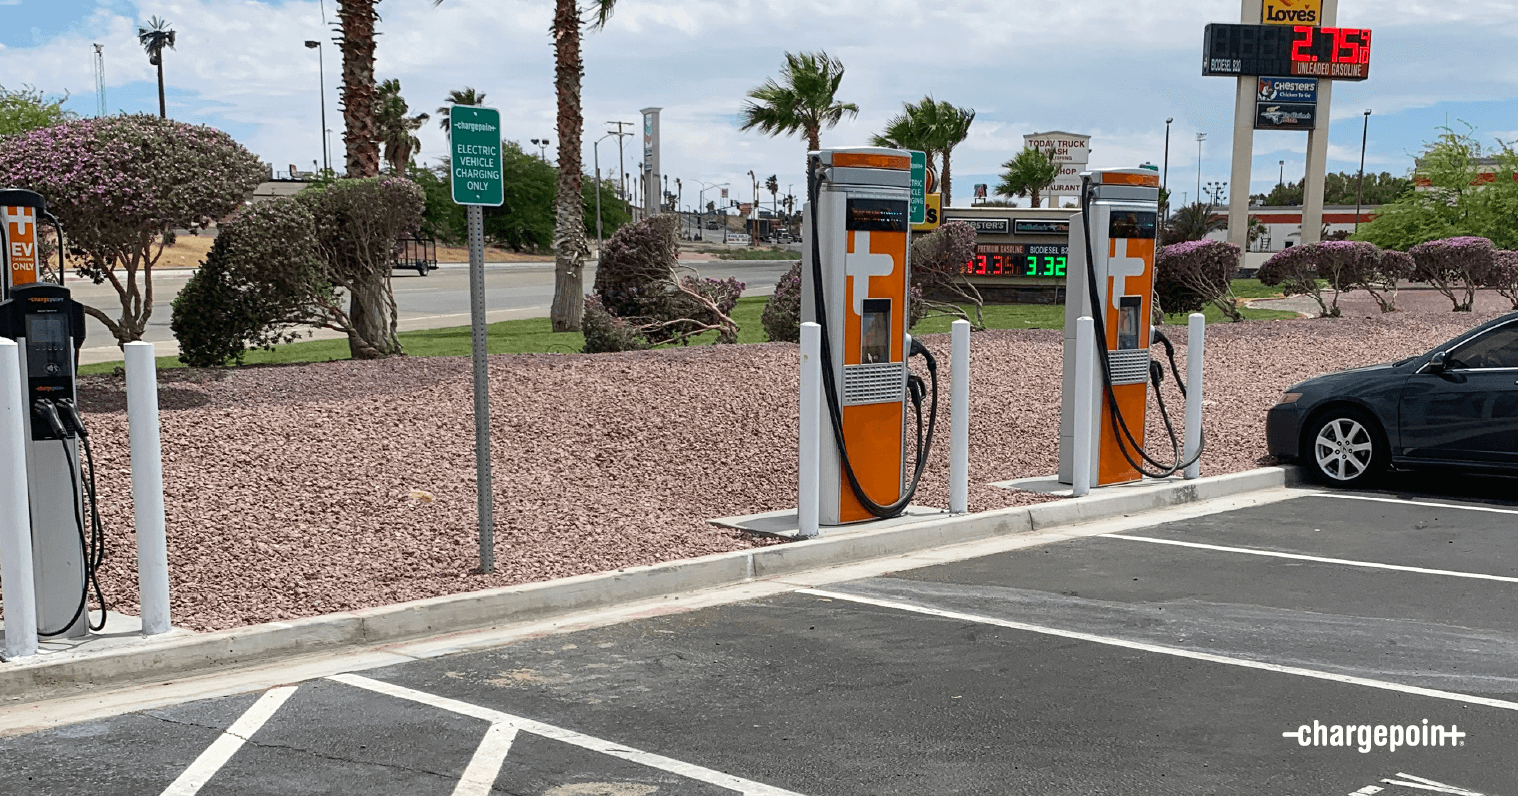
[[47, 344], [876, 215], [1131, 224], [875, 337]]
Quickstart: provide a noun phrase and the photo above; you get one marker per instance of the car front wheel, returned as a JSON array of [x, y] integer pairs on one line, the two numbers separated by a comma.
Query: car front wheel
[[1345, 448]]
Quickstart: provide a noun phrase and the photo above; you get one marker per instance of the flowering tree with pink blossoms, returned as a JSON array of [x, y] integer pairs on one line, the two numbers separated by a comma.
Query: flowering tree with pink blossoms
[[1454, 266], [1194, 273], [120, 186], [1504, 275]]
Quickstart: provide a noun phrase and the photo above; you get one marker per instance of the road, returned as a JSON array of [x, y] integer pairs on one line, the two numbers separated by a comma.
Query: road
[[1178, 653], [512, 290]]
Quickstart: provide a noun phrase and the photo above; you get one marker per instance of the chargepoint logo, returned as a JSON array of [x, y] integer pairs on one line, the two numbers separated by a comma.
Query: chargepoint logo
[[1365, 737]]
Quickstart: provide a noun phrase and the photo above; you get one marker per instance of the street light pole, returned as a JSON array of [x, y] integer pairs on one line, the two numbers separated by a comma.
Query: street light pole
[[1200, 137], [1360, 185], [321, 77], [596, 147], [1165, 173]]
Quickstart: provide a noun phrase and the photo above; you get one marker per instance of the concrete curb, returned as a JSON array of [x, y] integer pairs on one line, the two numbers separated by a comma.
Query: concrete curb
[[180, 655]]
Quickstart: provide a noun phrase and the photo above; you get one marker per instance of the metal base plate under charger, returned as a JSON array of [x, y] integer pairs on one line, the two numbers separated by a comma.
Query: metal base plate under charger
[[1050, 485], [785, 524]]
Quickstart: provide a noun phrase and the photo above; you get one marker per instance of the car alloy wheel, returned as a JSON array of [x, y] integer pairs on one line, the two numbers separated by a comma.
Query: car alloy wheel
[[1344, 449]]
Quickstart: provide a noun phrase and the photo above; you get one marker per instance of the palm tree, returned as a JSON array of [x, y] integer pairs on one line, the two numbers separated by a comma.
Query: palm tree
[[932, 127], [1193, 222], [1028, 174], [456, 97], [953, 128], [356, 19], [154, 38], [804, 100], [397, 131]]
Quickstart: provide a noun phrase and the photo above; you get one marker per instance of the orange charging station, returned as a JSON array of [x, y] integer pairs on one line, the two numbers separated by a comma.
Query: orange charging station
[[859, 219], [1119, 212]]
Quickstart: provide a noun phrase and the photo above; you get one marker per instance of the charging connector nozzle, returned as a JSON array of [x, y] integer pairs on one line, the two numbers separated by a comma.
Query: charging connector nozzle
[[47, 412]]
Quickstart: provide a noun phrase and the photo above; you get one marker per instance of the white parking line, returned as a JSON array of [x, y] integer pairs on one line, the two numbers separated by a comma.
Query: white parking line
[[1163, 650], [1459, 506], [485, 766], [1319, 559], [519, 723], [221, 750]]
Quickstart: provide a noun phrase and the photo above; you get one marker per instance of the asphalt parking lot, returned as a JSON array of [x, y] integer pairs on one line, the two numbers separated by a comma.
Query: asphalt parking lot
[[1179, 658]]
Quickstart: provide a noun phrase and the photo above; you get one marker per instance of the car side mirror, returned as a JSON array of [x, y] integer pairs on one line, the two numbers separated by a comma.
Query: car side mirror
[[1437, 363]]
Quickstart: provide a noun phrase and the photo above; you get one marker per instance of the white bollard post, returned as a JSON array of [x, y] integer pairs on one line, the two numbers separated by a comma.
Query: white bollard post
[[20, 596], [147, 487], [1085, 423], [1196, 332], [809, 474], [959, 419]]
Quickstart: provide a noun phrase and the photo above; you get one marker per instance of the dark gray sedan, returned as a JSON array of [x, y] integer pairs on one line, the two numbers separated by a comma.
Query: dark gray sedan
[[1455, 406]]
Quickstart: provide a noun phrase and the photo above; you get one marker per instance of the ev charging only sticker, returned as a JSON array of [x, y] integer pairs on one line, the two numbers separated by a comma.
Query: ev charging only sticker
[[21, 240]]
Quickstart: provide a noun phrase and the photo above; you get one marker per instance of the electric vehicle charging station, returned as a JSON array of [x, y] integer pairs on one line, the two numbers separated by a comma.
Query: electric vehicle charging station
[[1111, 272], [855, 284], [48, 325]]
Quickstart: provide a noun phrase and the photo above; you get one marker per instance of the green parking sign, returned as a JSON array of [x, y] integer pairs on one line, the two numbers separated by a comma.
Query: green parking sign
[[475, 143], [918, 208]]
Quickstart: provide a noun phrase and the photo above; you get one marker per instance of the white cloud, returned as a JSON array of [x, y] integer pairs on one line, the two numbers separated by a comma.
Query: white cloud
[[1113, 70]]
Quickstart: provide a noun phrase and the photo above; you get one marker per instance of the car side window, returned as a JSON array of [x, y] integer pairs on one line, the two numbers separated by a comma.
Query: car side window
[[1497, 348]]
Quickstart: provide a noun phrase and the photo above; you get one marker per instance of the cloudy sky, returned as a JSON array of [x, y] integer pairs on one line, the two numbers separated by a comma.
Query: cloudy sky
[[1114, 69]]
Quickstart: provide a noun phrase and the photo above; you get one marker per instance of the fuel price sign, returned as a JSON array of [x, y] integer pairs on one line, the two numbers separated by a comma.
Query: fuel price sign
[[1299, 51], [1019, 259]]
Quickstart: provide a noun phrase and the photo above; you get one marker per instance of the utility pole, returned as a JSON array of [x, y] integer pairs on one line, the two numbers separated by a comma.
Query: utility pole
[[99, 80], [621, 164]]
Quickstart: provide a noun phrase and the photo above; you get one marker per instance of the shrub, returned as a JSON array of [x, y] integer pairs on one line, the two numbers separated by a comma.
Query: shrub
[[782, 313], [358, 222], [1306, 270], [639, 281], [938, 269], [1455, 265], [261, 278], [1382, 281], [1504, 276], [118, 183], [1190, 275], [606, 333]]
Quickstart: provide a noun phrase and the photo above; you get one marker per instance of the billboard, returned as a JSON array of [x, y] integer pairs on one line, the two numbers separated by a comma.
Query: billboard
[[1285, 116], [1287, 89], [1061, 147], [1291, 12]]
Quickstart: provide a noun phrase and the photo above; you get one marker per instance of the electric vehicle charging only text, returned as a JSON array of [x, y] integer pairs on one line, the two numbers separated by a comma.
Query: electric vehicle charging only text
[[856, 284], [1111, 280]]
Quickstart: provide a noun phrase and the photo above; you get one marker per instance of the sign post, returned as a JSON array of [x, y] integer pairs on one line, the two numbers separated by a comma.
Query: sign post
[[475, 166]]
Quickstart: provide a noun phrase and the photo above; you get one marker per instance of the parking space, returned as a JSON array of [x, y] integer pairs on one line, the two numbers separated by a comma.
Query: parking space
[[1180, 658]]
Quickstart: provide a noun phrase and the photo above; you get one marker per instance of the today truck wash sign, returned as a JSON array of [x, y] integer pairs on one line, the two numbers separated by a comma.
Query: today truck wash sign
[[475, 143]]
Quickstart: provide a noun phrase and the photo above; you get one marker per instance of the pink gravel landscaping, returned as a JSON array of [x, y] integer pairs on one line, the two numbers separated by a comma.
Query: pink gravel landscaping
[[300, 490]]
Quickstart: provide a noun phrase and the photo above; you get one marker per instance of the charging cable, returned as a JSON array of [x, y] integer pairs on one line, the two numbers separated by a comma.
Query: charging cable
[[915, 388], [66, 424]]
